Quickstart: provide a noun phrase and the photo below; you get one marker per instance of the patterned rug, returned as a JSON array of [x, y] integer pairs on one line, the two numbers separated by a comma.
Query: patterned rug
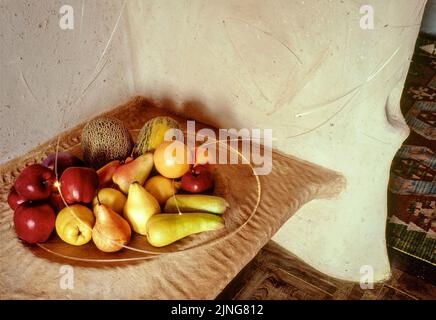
[[412, 188]]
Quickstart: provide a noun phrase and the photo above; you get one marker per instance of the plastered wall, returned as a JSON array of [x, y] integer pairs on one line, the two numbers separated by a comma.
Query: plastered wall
[[52, 79]]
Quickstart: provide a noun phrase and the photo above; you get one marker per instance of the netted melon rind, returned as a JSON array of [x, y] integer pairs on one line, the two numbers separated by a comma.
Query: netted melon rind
[[105, 139]]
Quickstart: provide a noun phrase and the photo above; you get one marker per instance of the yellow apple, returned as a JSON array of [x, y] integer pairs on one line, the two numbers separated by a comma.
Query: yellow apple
[[172, 159], [112, 198], [161, 188], [74, 224]]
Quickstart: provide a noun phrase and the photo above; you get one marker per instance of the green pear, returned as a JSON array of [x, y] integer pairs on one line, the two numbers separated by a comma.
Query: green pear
[[140, 206], [196, 203], [164, 229], [135, 170]]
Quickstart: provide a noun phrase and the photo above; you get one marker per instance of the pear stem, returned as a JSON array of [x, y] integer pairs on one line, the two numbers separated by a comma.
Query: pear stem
[[98, 200]]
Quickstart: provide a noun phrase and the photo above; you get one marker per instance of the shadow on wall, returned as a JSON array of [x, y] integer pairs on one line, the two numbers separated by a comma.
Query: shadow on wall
[[428, 25], [195, 109]]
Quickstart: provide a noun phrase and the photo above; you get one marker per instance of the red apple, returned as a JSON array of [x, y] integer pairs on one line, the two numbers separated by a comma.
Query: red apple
[[106, 172], [14, 199], [64, 161], [197, 180], [78, 184], [35, 182], [56, 202], [34, 222]]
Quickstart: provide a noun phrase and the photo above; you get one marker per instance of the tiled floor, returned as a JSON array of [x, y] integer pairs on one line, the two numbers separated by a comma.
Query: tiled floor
[[276, 274]]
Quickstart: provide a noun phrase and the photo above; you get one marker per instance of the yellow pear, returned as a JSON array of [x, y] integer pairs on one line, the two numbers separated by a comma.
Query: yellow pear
[[74, 224], [113, 198], [164, 229], [140, 206], [162, 188], [136, 170], [110, 231]]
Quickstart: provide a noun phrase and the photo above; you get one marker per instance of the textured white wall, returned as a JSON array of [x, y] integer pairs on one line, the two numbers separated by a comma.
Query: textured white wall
[[52, 79]]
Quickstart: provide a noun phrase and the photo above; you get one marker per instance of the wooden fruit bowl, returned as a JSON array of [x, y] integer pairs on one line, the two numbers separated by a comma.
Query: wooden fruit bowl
[[197, 267]]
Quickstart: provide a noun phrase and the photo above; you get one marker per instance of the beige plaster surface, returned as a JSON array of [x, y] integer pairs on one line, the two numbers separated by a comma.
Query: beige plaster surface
[[52, 79]]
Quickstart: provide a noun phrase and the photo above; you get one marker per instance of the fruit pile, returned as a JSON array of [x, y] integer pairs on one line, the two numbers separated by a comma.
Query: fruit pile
[[112, 194]]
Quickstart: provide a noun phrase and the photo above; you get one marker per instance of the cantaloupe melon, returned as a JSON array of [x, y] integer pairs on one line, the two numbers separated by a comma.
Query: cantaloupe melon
[[105, 139]]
